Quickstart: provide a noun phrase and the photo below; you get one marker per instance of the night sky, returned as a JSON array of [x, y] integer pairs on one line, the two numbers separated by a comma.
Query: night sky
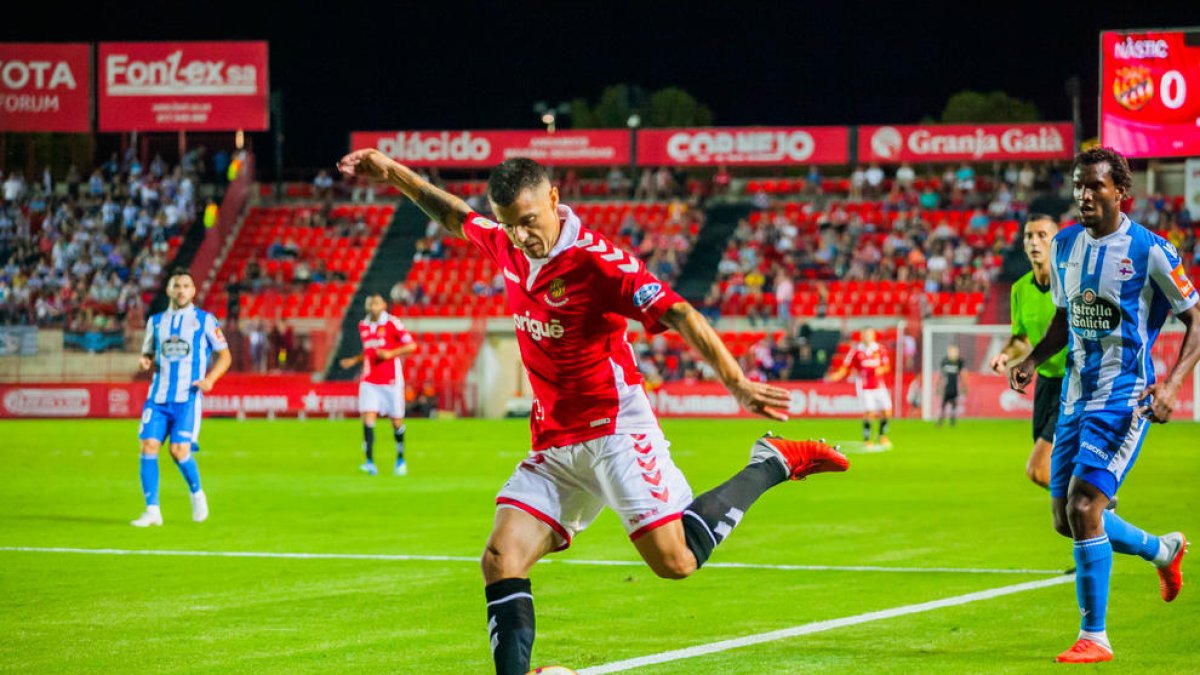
[[441, 65]]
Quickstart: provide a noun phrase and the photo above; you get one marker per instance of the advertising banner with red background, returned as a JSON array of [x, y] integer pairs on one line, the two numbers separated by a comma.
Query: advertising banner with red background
[[743, 146], [711, 399], [45, 87], [475, 149], [966, 142], [190, 86], [1150, 93], [250, 395]]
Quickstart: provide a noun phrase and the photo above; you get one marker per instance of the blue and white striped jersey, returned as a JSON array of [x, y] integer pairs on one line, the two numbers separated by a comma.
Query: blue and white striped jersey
[[1117, 291], [180, 342]]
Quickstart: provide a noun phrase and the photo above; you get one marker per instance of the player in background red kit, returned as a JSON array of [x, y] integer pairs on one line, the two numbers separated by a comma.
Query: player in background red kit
[[381, 390], [870, 362], [596, 441]]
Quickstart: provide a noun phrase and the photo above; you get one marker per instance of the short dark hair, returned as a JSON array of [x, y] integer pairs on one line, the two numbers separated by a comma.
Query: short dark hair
[[1033, 217], [1122, 177], [512, 176], [181, 272]]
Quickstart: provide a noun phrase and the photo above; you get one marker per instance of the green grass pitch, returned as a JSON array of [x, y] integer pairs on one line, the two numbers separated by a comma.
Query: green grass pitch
[[949, 498]]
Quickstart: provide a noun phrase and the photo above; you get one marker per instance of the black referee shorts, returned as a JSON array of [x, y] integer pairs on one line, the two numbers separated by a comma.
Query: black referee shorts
[[1046, 402]]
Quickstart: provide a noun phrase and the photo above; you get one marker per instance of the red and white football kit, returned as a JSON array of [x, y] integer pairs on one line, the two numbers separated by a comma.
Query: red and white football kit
[[866, 361], [596, 441], [381, 389]]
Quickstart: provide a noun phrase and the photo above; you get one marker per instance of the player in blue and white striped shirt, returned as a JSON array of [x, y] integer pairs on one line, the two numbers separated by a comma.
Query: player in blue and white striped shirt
[[1114, 283], [180, 341]]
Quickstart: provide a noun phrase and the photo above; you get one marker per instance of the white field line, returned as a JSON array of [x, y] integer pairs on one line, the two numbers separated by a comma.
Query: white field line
[[475, 559], [820, 626]]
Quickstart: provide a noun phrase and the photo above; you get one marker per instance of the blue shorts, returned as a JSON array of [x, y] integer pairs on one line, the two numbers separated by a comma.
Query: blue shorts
[[1098, 446], [180, 420]]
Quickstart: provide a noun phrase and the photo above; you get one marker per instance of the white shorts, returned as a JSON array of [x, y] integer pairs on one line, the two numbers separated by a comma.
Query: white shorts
[[875, 400], [385, 399], [566, 487]]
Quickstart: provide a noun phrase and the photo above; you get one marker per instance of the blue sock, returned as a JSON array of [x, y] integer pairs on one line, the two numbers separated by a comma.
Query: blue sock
[[1093, 565], [191, 472], [1128, 539], [149, 471], [399, 434]]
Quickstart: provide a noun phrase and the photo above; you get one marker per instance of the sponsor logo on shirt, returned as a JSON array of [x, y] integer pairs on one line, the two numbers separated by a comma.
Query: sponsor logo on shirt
[[1092, 317], [176, 349], [647, 294], [1125, 269], [1179, 276], [537, 328]]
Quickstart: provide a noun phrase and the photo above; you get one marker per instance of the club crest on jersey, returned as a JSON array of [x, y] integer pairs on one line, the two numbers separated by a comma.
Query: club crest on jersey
[[558, 288], [647, 294], [1125, 269], [1092, 317]]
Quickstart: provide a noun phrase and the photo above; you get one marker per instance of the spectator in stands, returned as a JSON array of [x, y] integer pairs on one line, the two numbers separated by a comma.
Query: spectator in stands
[[257, 337], [616, 183], [874, 181], [646, 188], [721, 181], [664, 183], [858, 179], [571, 187], [14, 187], [905, 176], [784, 293], [323, 186]]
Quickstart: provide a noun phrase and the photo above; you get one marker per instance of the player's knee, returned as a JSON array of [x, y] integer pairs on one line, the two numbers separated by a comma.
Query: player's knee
[[179, 451], [680, 565], [1061, 525], [498, 563], [1081, 510], [150, 447]]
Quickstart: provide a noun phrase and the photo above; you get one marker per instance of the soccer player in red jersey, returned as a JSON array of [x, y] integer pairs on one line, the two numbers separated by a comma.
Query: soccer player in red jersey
[[869, 361], [596, 441], [381, 390]]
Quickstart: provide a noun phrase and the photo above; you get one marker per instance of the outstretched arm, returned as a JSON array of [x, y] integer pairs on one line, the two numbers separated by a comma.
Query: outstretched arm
[[445, 208], [758, 398]]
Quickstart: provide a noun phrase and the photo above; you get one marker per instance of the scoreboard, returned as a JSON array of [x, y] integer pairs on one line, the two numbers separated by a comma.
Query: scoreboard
[[1150, 92]]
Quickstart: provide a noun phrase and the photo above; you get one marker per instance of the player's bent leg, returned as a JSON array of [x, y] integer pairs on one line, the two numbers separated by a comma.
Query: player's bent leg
[[1038, 466], [710, 519], [665, 550], [517, 542]]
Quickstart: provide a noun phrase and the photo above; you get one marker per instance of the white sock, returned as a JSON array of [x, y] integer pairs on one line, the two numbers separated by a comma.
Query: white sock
[[1164, 553], [152, 508], [1100, 638]]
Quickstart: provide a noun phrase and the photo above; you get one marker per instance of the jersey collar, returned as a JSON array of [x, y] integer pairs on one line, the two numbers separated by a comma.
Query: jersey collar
[[383, 317], [1120, 231]]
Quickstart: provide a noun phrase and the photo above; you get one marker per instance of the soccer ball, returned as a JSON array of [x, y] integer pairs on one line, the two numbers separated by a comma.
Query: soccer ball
[[551, 670]]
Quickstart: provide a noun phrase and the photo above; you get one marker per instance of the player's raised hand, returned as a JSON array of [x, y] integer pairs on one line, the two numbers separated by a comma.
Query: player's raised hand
[[1021, 375], [1157, 403], [370, 163], [764, 399], [145, 363], [998, 363]]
